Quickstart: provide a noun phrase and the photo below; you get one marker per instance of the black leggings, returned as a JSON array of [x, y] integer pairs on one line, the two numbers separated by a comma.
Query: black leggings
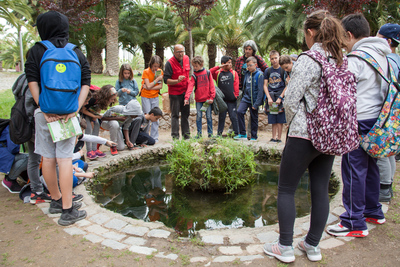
[[298, 155]]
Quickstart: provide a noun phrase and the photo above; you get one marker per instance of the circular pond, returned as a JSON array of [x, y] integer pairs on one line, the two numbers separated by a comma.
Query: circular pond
[[149, 194]]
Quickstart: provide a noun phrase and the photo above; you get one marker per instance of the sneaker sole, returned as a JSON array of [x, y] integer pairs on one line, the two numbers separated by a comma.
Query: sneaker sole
[[69, 222], [310, 257], [355, 233], [38, 201], [375, 221], [9, 190], [280, 257], [56, 210]]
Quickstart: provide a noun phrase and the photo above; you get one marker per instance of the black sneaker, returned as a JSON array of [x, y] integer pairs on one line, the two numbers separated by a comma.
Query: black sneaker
[[56, 206], [71, 217], [40, 198], [77, 197], [11, 186]]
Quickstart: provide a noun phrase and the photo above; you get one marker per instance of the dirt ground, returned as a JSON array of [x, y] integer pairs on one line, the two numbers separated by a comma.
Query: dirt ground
[[30, 238]]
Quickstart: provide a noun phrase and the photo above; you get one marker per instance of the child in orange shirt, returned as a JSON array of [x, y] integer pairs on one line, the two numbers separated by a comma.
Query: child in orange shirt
[[151, 85]]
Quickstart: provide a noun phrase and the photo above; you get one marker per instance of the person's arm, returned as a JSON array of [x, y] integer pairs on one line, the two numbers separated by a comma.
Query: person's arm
[[134, 90], [86, 112], [81, 99], [235, 84], [212, 89], [261, 63], [214, 72], [266, 91], [153, 85], [260, 91], [189, 91], [167, 72], [173, 82]]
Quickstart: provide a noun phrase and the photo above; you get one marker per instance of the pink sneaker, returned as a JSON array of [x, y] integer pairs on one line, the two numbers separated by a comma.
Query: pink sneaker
[[99, 153], [91, 155]]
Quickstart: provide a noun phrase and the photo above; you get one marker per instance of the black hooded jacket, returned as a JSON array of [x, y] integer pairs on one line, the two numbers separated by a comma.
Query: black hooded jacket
[[54, 27]]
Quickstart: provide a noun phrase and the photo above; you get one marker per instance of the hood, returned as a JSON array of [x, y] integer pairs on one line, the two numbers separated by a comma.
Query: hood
[[373, 44], [54, 27]]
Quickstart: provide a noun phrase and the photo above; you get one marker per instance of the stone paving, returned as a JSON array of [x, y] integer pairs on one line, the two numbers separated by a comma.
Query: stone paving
[[118, 232]]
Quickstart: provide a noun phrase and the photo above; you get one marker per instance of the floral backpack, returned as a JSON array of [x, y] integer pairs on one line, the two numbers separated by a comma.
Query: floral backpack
[[383, 140], [332, 125]]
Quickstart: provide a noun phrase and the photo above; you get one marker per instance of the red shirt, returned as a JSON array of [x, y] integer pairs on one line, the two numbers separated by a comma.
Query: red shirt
[[177, 70], [205, 88]]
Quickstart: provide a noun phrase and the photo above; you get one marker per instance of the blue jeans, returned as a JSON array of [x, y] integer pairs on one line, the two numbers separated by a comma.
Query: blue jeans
[[199, 123], [20, 164], [243, 106]]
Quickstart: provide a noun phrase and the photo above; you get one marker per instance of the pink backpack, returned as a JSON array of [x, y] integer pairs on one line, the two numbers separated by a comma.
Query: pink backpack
[[332, 125]]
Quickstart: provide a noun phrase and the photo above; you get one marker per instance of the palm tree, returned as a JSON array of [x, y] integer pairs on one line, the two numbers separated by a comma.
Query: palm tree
[[228, 27], [111, 25], [10, 9], [12, 46], [278, 24]]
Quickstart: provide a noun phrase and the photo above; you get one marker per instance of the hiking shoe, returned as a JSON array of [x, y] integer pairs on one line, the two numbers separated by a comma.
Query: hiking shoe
[[313, 253], [375, 221], [40, 198], [340, 230], [278, 140], [282, 253], [11, 186], [71, 217], [240, 136], [385, 194], [91, 155], [56, 206], [99, 154], [253, 139], [76, 197], [114, 150]]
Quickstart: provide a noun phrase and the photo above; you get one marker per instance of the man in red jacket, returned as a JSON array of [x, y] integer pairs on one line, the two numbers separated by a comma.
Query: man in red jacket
[[176, 76]]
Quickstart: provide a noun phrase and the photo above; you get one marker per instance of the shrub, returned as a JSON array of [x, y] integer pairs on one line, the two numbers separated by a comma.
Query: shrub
[[212, 164]]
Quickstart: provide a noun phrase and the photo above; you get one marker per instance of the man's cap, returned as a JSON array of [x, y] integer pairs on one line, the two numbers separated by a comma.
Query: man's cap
[[391, 31], [225, 59]]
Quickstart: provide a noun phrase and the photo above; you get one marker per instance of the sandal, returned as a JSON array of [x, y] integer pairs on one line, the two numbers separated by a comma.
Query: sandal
[[273, 140]]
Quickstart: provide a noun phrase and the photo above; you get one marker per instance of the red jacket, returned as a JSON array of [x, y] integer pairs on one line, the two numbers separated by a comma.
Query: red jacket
[[205, 89], [217, 69], [179, 88]]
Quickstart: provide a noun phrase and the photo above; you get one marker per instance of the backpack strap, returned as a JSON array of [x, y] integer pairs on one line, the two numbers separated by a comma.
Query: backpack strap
[[70, 46], [48, 44], [371, 61]]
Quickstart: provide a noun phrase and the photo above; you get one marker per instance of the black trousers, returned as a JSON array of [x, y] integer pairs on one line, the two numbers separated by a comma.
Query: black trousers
[[176, 106]]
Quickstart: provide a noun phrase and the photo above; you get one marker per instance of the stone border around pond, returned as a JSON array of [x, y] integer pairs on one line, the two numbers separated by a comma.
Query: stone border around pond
[[116, 231]]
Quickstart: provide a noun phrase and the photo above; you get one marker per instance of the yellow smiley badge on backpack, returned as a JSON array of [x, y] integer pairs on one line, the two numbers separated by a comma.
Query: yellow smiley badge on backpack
[[61, 68]]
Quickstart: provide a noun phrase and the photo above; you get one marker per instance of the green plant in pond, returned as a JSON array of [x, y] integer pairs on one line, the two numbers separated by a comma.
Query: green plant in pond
[[212, 164]]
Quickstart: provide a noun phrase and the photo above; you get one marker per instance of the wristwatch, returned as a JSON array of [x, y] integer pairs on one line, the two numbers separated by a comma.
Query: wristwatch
[[281, 98]]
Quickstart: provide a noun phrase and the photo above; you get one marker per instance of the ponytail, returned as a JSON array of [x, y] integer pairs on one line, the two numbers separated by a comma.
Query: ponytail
[[329, 32]]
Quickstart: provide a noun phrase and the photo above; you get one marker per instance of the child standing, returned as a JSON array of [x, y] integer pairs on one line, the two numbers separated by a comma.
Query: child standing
[[101, 100], [228, 82], [274, 88], [204, 91], [126, 86], [53, 27], [253, 95], [151, 85]]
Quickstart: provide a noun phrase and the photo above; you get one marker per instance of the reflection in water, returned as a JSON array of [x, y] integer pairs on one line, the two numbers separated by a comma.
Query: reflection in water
[[148, 194]]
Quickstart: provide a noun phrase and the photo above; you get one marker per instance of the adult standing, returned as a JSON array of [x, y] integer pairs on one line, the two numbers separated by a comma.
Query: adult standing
[[176, 76], [250, 49]]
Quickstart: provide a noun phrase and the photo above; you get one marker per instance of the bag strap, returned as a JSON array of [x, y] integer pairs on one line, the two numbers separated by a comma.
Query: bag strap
[[48, 44], [371, 61], [70, 46]]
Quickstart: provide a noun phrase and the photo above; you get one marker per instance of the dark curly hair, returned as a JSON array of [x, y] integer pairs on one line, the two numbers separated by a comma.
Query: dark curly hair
[[104, 95]]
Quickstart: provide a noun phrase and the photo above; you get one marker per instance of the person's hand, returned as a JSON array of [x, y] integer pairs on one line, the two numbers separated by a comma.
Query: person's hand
[[287, 79], [89, 175], [51, 117], [110, 143], [210, 101], [98, 117], [159, 78], [278, 101], [270, 101], [75, 168], [69, 116], [124, 90], [128, 91], [186, 102], [181, 78], [81, 152], [129, 144], [253, 108]]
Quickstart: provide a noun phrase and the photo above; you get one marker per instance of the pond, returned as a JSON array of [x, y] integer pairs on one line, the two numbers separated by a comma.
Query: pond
[[148, 194]]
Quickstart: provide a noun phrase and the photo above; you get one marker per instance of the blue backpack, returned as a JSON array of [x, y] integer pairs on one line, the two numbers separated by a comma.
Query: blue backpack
[[60, 77]]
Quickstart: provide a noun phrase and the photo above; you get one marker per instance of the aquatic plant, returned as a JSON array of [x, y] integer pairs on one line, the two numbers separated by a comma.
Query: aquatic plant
[[212, 164]]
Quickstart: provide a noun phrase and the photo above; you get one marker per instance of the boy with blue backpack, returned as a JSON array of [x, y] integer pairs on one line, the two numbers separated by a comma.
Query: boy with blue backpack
[[59, 78], [253, 95]]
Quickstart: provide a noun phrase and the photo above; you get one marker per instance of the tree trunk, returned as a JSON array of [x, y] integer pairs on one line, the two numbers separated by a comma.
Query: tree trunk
[[160, 50], [212, 54], [232, 51], [96, 64], [111, 25], [147, 53]]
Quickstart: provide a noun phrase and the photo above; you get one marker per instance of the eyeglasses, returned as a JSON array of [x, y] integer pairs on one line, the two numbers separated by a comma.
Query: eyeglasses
[[180, 52], [250, 65]]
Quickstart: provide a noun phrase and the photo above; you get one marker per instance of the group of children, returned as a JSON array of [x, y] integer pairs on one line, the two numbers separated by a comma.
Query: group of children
[[257, 87]]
